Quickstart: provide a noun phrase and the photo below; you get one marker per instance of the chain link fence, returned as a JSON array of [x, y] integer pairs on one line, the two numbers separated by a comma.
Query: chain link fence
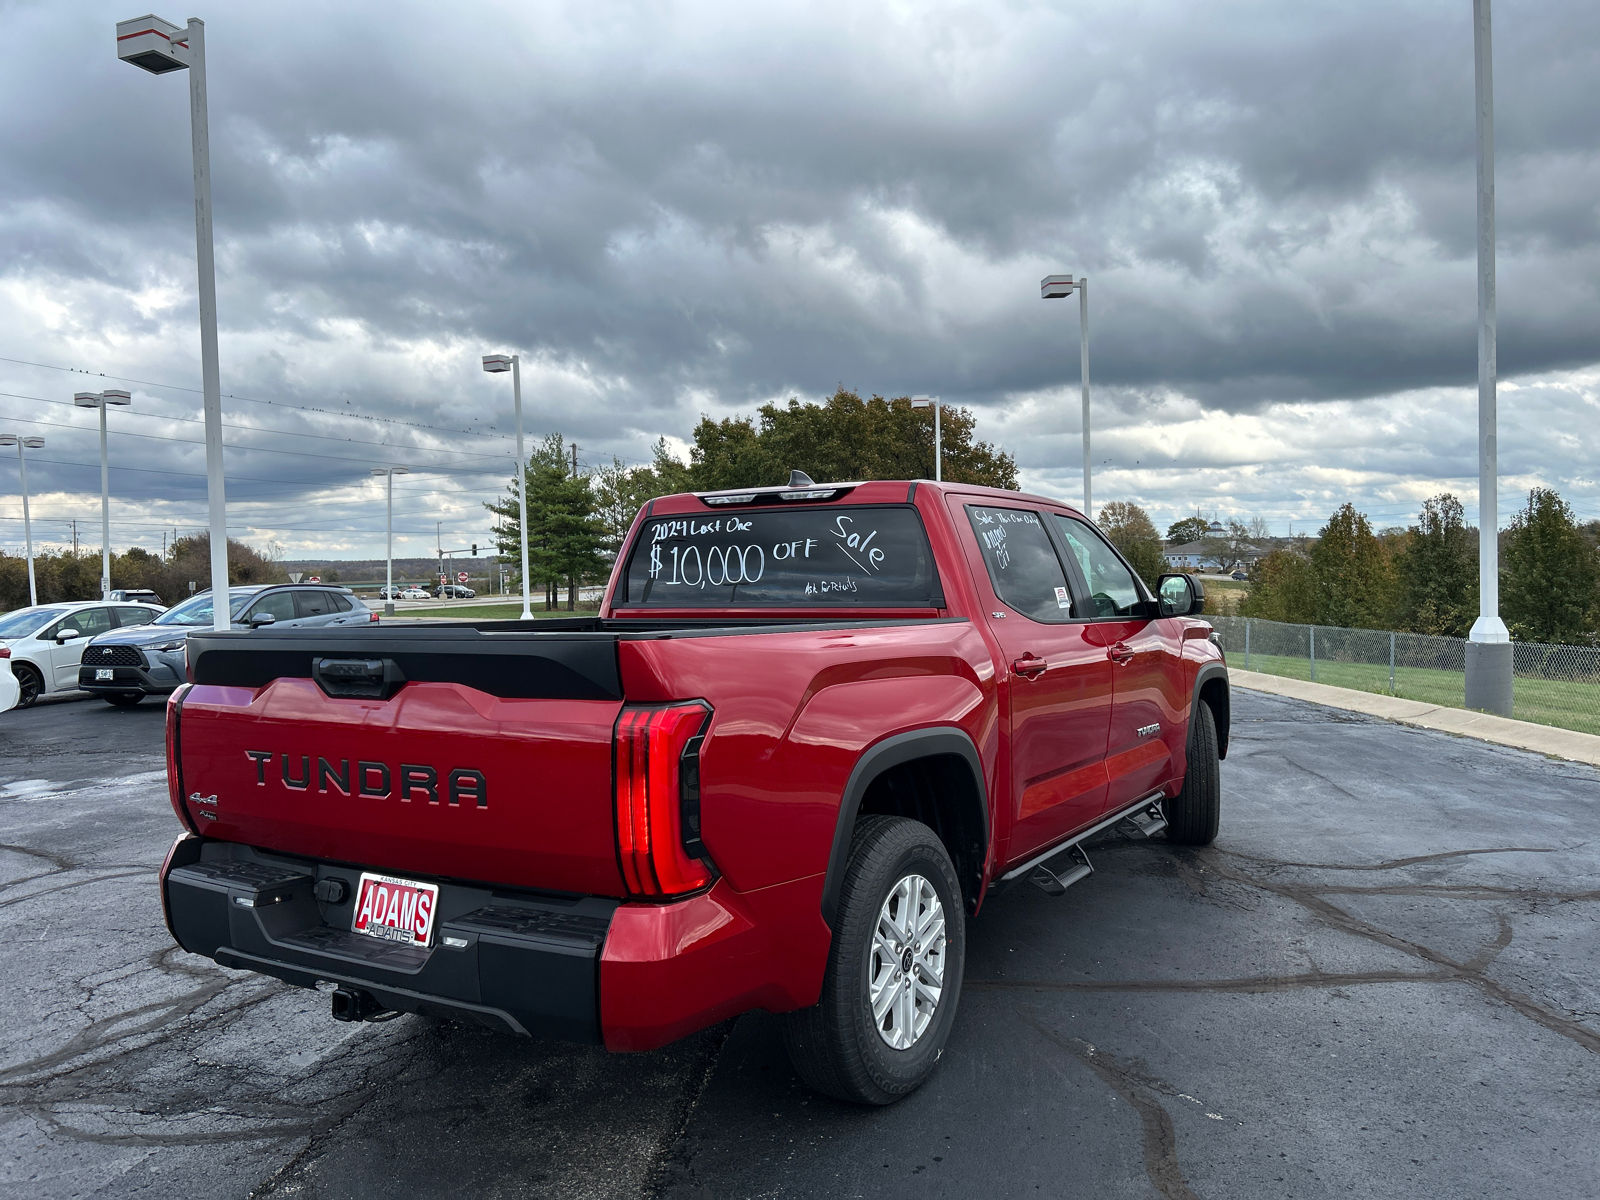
[[1553, 685]]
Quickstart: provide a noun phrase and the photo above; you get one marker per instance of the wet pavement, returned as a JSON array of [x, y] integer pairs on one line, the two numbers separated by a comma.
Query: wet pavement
[[1382, 980]]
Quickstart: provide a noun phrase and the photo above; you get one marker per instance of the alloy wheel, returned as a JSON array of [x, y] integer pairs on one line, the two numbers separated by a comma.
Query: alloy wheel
[[905, 972]]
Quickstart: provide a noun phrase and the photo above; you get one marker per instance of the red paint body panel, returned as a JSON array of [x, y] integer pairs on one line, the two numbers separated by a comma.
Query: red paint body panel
[[547, 822], [792, 712], [669, 970]]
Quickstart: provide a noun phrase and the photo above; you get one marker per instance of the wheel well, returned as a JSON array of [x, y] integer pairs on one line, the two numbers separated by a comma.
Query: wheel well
[[939, 791], [1214, 694]]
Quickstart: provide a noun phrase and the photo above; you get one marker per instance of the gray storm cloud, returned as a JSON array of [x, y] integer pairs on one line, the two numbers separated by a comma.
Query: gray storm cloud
[[675, 208]]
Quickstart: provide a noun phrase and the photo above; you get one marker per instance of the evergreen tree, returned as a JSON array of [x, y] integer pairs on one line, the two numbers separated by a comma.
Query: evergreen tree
[[1438, 568], [565, 534], [1356, 582], [1129, 529], [1549, 574]]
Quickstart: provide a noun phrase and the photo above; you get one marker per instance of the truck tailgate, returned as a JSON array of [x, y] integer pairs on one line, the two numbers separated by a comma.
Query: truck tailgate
[[438, 778]]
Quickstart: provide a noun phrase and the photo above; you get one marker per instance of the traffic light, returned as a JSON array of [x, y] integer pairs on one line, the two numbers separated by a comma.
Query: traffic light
[[474, 549]]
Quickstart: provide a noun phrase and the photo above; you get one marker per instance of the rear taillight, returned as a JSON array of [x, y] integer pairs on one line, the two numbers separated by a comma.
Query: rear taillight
[[5, 651], [175, 757], [658, 799], [374, 618]]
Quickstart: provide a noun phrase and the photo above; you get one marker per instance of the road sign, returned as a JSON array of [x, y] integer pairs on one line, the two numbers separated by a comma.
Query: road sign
[[461, 576], [295, 576], [315, 579]]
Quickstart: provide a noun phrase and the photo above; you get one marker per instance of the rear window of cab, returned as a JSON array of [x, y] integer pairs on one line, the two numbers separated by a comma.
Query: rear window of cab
[[844, 556]]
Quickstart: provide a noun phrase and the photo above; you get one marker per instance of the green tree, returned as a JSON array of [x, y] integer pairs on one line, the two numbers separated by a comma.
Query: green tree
[[1438, 568], [1549, 574], [566, 534], [1189, 529], [1356, 581], [1284, 588], [843, 438], [1129, 529]]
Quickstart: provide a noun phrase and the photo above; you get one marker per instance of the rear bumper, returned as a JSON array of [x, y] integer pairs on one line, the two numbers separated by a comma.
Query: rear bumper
[[589, 969]]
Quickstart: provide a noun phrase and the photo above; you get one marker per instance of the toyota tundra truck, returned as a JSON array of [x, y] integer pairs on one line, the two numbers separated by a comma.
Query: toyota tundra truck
[[811, 729]]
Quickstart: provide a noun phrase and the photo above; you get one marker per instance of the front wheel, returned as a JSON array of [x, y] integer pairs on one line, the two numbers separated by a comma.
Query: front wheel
[[1194, 813], [894, 972]]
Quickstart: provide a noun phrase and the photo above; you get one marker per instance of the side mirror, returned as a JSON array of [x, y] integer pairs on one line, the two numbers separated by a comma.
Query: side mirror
[[66, 635], [260, 619], [1180, 595]]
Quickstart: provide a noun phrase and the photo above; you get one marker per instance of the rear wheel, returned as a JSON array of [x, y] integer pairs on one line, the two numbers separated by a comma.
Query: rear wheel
[[894, 972], [1194, 813], [29, 684], [124, 699]]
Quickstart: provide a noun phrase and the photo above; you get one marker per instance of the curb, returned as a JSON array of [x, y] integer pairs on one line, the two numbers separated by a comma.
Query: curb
[[1502, 731]]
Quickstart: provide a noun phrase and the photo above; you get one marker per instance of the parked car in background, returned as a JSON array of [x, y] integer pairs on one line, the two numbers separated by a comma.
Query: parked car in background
[[8, 682], [412, 592], [123, 666], [454, 591], [1240, 575], [47, 640], [138, 595]]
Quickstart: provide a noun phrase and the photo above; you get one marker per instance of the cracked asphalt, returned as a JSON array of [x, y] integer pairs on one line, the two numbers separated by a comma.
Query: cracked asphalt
[[1380, 981]]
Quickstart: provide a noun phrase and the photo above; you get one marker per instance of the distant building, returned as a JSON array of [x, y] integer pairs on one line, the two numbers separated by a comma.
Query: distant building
[[1199, 557]]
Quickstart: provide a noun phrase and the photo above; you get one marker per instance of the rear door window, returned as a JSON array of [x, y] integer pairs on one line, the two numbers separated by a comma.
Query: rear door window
[[129, 614], [833, 557], [1021, 561], [316, 604], [1112, 589]]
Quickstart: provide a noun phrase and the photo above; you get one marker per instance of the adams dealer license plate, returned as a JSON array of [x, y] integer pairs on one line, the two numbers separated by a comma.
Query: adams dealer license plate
[[396, 910]]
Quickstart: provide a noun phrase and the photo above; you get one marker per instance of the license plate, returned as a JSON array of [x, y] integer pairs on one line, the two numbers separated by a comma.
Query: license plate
[[104, 673], [396, 910]]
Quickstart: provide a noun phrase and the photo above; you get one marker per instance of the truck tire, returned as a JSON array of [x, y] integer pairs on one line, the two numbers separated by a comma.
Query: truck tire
[[880, 1026], [1193, 814]]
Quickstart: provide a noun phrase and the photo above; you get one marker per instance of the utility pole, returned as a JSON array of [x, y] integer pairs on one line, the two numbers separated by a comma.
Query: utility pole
[[1489, 661], [438, 533], [74, 537], [574, 459]]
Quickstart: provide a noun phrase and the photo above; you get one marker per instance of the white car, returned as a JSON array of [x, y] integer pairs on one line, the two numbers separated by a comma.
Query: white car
[[8, 682], [47, 641], [414, 593]]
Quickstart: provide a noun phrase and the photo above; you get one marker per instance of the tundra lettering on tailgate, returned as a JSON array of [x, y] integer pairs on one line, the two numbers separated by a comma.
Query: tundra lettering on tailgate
[[374, 780]]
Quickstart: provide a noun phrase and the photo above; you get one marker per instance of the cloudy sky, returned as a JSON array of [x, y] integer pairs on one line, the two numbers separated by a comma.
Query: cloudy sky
[[675, 208]]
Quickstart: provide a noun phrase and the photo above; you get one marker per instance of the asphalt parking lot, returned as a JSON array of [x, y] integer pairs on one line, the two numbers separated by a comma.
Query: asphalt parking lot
[[1381, 981]]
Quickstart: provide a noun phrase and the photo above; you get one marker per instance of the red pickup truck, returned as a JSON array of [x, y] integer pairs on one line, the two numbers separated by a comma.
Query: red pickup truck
[[811, 729]]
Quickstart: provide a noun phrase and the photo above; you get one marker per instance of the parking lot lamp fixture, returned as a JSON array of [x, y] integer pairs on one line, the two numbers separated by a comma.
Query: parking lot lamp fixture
[[32, 443], [1489, 660], [938, 447], [388, 572], [1057, 287], [102, 401], [160, 46], [495, 364]]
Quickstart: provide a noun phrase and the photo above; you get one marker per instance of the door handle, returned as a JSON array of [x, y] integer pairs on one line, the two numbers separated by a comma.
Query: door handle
[[1120, 653], [1030, 666]]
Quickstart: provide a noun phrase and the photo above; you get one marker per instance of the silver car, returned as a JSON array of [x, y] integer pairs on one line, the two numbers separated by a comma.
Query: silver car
[[126, 665]]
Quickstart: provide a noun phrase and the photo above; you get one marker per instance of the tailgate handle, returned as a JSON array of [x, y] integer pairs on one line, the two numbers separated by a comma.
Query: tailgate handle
[[361, 678]]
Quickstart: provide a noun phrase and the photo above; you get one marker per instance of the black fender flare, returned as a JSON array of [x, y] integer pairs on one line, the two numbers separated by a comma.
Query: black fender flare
[[891, 752], [1208, 672]]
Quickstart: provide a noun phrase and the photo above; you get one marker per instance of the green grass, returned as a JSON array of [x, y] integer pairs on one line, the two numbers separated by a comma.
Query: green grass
[[1564, 704], [482, 612]]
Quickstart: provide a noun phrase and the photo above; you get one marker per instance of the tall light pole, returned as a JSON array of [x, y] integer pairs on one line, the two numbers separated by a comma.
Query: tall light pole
[[938, 445], [102, 401], [32, 443], [1489, 644], [1056, 287], [495, 364], [160, 46], [388, 572]]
